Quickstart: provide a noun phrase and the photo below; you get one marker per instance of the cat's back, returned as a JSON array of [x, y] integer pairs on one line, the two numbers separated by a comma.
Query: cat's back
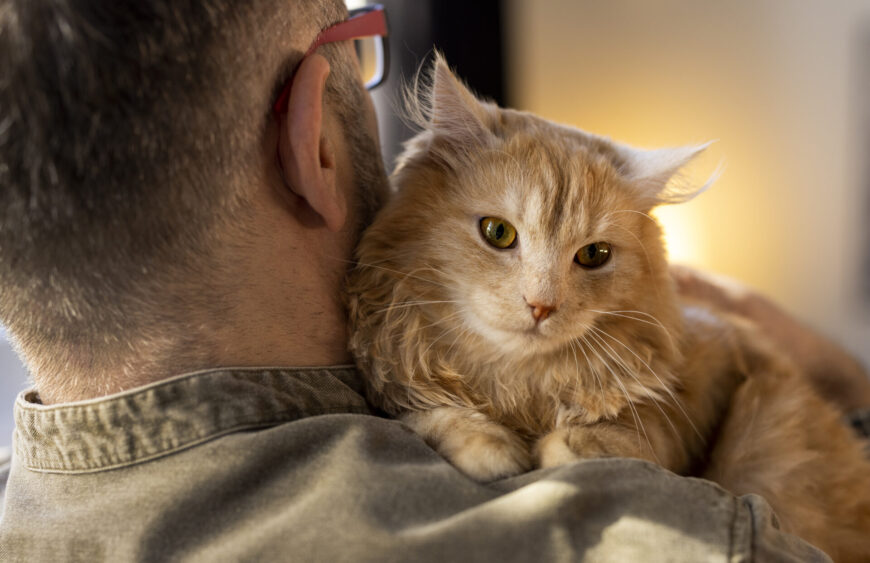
[[777, 436]]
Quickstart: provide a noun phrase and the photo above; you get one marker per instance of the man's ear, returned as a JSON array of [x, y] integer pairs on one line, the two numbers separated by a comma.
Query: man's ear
[[307, 156]]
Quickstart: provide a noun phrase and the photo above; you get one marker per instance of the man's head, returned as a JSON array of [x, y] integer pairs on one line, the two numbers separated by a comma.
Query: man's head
[[138, 163]]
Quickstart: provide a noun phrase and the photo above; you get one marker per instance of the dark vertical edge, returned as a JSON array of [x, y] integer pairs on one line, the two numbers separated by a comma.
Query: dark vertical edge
[[508, 46], [470, 34], [410, 25]]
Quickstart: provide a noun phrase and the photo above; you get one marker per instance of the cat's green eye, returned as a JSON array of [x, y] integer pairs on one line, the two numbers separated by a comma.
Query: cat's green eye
[[498, 232], [593, 255]]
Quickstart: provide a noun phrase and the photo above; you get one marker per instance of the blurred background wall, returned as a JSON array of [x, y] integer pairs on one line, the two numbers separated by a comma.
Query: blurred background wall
[[784, 87]]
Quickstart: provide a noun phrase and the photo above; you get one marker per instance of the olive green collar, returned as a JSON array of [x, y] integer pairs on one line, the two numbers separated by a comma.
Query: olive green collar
[[174, 414]]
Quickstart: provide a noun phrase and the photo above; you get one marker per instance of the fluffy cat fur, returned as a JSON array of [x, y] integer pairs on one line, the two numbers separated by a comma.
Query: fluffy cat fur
[[448, 330]]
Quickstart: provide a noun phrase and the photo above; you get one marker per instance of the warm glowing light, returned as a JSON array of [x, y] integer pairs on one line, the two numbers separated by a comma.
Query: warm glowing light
[[682, 237], [794, 153], [354, 4]]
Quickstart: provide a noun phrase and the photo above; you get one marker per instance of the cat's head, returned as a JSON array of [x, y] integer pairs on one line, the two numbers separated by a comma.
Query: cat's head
[[531, 232]]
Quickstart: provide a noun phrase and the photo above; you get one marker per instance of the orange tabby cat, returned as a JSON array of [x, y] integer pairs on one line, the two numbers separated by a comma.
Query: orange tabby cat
[[512, 304]]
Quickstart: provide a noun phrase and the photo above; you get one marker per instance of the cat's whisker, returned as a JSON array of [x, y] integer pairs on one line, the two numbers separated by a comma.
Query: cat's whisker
[[651, 219], [405, 274], [438, 321], [462, 334], [576, 361], [636, 312], [560, 379], [592, 370], [654, 394], [405, 304], [444, 333], [434, 342], [416, 330], [636, 413], [356, 262], [625, 315], [628, 370], [646, 255], [638, 423], [594, 373], [676, 401], [376, 265], [423, 269], [646, 215], [652, 372], [465, 331], [513, 400]]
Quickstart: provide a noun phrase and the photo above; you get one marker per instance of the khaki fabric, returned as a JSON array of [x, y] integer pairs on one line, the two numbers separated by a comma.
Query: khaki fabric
[[292, 465]]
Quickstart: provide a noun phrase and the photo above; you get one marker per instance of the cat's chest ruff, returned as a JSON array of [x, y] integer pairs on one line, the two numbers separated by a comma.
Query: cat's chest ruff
[[543, 393]]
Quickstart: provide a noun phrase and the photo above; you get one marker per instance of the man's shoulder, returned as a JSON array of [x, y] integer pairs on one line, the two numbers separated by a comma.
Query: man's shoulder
[[379, 486], [352, 486]]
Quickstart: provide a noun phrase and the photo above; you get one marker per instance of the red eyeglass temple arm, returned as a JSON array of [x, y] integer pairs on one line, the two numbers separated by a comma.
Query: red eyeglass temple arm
[[367, 24]]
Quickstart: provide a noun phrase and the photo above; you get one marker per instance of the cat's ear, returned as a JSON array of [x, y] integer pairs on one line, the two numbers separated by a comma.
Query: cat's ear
[[655, 173], [454, 111]]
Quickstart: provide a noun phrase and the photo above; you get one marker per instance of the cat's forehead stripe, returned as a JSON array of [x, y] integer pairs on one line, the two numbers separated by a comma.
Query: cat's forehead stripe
[[558, 193], [560, 190]]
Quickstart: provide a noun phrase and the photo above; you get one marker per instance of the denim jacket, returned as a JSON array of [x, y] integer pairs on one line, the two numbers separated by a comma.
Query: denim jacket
[[292, 465]]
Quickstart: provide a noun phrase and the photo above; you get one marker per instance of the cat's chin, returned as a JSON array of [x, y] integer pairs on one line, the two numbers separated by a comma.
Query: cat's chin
[[523, 343]]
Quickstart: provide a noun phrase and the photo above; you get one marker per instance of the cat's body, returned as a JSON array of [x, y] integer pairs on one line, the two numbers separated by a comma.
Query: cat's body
[[513, 305]]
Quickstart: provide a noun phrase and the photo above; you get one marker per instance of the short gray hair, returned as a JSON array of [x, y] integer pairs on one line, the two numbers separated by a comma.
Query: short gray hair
[[126, 130]]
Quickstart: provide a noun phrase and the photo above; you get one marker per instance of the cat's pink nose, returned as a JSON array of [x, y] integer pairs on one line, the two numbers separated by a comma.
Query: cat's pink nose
[[540, 311]]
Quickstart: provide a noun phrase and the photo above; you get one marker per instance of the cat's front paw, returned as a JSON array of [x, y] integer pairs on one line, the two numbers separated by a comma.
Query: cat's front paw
[[571, 443], [479, 447], [553, 450], [487, 455]]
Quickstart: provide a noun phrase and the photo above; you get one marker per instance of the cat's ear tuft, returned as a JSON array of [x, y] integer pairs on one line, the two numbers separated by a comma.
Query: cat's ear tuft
[[454, 111], [656, 173]]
